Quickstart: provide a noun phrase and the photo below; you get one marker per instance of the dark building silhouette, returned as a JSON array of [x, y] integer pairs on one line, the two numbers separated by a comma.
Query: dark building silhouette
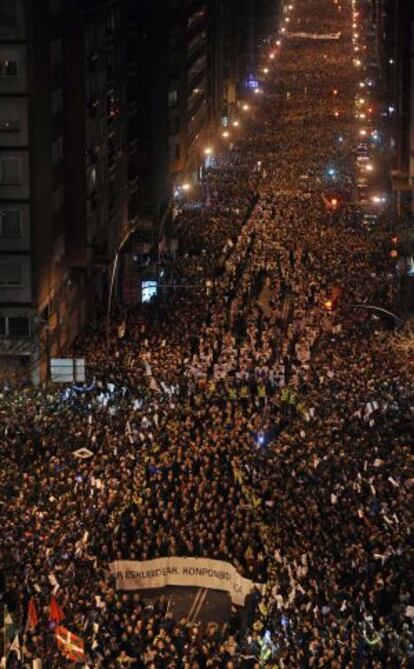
[[106, 108]]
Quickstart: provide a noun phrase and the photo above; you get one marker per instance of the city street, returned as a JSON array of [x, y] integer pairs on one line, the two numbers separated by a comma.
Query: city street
[[254, 415]]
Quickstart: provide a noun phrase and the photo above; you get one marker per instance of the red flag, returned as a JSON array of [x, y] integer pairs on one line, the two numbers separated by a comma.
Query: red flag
[[32, 617], [55, 612], [70, 645]]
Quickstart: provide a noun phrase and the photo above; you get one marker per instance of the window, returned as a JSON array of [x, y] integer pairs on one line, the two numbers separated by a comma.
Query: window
[[56, 51], [91, 41], [18, 326], [55, 6], [9, 126], [8, 13], [174, 152], [56, 101], [91, 179], [57, 150], [174, 124], [174, 39], [10, 171], [112, 22], [14, 326], [8, 68], [173, 98], [58, 198], [11, 275], [10, 223]]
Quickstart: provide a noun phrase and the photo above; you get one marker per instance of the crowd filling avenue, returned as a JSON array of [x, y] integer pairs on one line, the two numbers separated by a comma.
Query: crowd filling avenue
[[253, 422]]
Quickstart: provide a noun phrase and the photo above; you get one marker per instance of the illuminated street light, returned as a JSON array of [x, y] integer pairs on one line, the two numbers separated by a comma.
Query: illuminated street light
[[245, 107], [225, 134], [278, 42], [236, 124], [266, 70], [208, 151], [186, 187]]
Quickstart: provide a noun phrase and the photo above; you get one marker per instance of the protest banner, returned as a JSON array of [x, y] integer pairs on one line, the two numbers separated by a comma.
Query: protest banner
[[313, 36], [193, 572]]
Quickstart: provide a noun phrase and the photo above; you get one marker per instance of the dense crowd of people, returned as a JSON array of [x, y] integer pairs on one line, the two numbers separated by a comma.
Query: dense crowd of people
[[253, 417]]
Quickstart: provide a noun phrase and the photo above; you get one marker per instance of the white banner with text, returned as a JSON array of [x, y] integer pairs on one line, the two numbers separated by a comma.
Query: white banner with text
[[194, 572], [317, 36]]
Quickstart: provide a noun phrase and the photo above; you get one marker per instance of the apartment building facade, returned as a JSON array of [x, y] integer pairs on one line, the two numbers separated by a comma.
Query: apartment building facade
[[63, 171]]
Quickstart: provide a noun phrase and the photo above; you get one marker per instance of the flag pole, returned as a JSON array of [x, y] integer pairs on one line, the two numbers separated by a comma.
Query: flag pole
[[24, 644], [4, 635]]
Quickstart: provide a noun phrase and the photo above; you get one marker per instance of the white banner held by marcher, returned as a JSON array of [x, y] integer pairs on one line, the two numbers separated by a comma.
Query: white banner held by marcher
[[192, 572], [314, 36]]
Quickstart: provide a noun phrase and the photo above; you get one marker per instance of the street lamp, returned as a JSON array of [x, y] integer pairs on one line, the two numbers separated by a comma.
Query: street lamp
[[225, 134], [208, 151], [186, 187], [114, 268]]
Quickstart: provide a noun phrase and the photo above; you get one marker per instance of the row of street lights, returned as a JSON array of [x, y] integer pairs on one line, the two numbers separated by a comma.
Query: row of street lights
[[208, 151], [226, 134]]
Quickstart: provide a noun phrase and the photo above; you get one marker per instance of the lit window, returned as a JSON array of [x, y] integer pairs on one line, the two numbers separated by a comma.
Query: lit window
[[92, 180], [10, 223], [172, 98]]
